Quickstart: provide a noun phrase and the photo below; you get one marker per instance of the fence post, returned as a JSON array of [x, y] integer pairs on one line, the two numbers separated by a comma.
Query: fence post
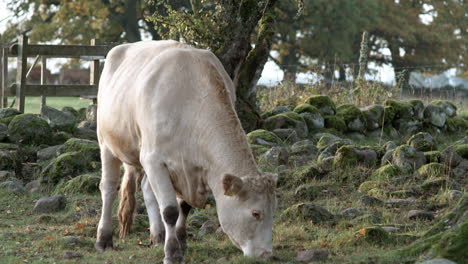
[[21, 72], [94, 70], [43, 78], [4, 99]]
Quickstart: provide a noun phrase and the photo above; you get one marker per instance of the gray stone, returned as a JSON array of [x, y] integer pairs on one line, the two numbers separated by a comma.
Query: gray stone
[[304, 148], [58, 120], [351, 213], [421, 214], [288, 135], [373, 115], [313, 212], [435, 115], [449, 108], [34, 186], [85, 133], [400, 203], [50, 204], [407, 158], [438, 261], [387, 157], [72, 255], [7, 112], [391, 229], [356, 125], [276, 156], [91, 113], [450, 157], [390, 145], [47, 153], [356, 135], [422, 141], [13, 186], [408, 126], [326, 164], [280, 109], [371, 201], [208, 227], [6, 175], [3, 131], [312, 255], [88, 124], [313, 120]]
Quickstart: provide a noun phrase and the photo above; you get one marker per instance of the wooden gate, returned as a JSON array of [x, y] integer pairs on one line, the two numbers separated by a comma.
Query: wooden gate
[[22, 50]]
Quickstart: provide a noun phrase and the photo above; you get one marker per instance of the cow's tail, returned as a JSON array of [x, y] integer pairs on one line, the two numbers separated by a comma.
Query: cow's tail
[[130, 183]]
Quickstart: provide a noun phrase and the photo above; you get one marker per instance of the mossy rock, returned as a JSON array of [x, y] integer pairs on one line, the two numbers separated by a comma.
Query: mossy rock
[[433, 156], [369, 185], [335, 122], [86, 147], [373, 115], [447, 238], [418, 108], [323, 103], [432, 170], [353, 117], [59, 138], [434, 184], [389, 114], [462, 150], [308, 192], [378, 193], [345, 156], [386, 173], [306, 108], [263, 137], [327, 140], [449, 107], [400, 109], [374, 235], [66, 166], [407, 158], [308, 212], [259, 150], [287, 120], [456, 124], [7, 114], [29, 129], [301, 175], [71, 110], [88, 183], [422, 141]]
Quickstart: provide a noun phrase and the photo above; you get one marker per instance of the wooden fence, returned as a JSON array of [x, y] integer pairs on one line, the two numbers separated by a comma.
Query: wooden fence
[[22, 50]]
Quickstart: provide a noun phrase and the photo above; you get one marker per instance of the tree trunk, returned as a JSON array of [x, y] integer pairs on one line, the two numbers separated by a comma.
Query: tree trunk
[[242, 62], [130, 22]]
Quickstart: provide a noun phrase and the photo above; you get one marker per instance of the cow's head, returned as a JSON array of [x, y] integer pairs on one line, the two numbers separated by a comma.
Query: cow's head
[[246, 211]]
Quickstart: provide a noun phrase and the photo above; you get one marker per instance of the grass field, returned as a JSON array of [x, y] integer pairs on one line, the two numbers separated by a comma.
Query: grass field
[[33, 104]]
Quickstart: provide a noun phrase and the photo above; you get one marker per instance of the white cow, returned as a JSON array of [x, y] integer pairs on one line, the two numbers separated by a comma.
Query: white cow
[[168, 109]]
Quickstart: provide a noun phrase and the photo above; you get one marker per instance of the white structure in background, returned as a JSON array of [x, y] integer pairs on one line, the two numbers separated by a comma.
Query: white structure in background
[[439, 81]]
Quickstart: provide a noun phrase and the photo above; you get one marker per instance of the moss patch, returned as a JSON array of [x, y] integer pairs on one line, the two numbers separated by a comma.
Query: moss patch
[[385, 173], [87, 147], [400, 109], [456, 124], [433, 156], [432, 170], [88, 183], [66, 166], [345, 156], [29, 129], [306, 108], [324, 103], [462, 150], [335, 122], [262, 134]]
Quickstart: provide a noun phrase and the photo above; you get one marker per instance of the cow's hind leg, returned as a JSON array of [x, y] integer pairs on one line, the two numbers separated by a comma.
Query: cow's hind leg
[[159, 178], [184, 210], [108, 186], [156, 224]]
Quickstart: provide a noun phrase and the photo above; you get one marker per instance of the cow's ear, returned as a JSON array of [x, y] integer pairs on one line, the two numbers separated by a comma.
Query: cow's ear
[[232, 185]]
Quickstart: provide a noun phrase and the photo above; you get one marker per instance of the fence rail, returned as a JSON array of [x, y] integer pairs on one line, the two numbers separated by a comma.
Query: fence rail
[[22, 50]]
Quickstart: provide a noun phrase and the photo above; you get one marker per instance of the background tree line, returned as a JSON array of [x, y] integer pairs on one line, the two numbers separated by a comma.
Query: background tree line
[[302, 33]]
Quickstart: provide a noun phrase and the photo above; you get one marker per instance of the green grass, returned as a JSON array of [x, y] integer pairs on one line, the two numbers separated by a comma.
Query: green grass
[[33, 104]]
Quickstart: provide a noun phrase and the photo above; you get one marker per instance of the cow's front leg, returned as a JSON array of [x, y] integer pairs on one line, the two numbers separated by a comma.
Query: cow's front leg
[[108, 186], [152, 207], [184, 210], [159, 179]]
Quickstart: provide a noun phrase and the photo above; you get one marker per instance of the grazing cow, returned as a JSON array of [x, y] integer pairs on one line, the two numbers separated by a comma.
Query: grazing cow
[[167, 109]]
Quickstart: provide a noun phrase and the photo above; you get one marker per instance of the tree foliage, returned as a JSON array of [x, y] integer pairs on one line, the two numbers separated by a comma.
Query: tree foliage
[[76, 22]]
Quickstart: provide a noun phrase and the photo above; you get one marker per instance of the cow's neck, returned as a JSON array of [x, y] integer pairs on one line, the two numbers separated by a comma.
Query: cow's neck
[[229, 151]]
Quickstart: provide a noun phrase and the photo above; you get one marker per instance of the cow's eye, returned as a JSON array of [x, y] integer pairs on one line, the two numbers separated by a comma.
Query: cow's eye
[[257, 214]]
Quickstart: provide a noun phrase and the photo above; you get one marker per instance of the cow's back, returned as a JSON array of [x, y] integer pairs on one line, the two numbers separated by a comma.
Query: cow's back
[[152, 93]]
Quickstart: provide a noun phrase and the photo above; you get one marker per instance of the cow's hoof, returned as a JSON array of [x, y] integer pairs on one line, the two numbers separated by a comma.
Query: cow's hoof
[[101, 246], [157, 240]]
